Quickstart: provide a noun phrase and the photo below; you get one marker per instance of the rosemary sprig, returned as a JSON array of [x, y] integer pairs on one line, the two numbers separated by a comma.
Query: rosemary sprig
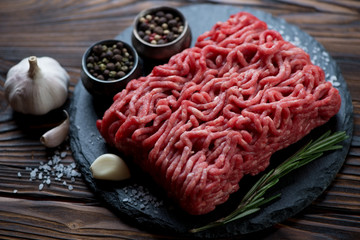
[[252, 201]]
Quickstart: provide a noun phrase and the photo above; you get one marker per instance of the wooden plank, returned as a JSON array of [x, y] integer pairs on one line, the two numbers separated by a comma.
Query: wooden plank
[[62, 220]]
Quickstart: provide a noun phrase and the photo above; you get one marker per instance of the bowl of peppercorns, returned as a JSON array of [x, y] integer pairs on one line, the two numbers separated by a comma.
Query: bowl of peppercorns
[[160, 32], [107, 66]]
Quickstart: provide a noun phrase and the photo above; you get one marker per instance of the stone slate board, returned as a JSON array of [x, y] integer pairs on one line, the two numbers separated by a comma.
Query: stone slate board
[[140, 201]]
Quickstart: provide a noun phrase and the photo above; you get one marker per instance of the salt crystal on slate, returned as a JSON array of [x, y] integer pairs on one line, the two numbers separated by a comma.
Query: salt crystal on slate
[[333, 79], [140, 196], [70, 187], [41, 186], [19, 174]]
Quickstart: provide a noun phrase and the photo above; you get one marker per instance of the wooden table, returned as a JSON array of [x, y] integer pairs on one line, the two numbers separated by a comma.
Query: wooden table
[[63, 30]]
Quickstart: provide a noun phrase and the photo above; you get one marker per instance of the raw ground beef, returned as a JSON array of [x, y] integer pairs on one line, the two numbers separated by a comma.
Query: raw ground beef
[[219, 110]]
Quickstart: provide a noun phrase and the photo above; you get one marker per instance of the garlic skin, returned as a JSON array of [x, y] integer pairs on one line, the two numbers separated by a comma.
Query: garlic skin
[[36, 85], [55, 136], [110, 167]]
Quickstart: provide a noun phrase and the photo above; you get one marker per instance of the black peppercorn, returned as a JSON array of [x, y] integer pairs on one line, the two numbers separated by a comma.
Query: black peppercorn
[[106, 72], [90, 59], [161, 41], [160, 14], [116, 50], [117, 58], [174, 30], [162, 20], [119, 45], [170, 37], [160, 27], [169, 16], [141, 34], [159, 30], [109, 54], [109, 62], [120, 74], [102, 55], [110, 66], [97, 49], [144, 26], [172, 23]]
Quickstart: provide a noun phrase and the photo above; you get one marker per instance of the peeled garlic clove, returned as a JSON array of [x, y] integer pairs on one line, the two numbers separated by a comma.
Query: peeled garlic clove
[[54, 137], [110, 167]]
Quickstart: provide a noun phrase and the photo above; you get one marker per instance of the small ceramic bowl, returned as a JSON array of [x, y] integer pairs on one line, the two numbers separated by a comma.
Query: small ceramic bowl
[[162, 51], [103, 88]]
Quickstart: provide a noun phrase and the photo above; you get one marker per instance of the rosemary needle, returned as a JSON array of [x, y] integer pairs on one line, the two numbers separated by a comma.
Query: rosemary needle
[[252, 201]]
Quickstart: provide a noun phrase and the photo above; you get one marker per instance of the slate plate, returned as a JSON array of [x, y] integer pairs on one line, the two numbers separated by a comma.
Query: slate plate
[[142, 202]]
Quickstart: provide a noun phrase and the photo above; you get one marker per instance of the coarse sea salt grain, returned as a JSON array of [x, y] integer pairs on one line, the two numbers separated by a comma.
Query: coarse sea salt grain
[[141, 197], [53, 169], [48, 181], [333, 79], [63, 154]]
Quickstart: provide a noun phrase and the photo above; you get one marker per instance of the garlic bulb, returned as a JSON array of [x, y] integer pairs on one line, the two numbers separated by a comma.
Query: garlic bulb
[[109, 167], [55, 136], [36, 85]]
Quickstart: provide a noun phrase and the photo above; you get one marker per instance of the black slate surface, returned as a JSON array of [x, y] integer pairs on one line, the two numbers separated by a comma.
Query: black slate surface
[[140, 200]]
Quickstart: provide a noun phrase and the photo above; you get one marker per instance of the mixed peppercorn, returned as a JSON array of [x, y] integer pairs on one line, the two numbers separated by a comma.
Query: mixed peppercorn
[[160, 27], [109, 62]]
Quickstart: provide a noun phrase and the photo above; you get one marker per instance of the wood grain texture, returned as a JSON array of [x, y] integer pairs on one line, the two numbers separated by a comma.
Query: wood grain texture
[[63, 30]]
